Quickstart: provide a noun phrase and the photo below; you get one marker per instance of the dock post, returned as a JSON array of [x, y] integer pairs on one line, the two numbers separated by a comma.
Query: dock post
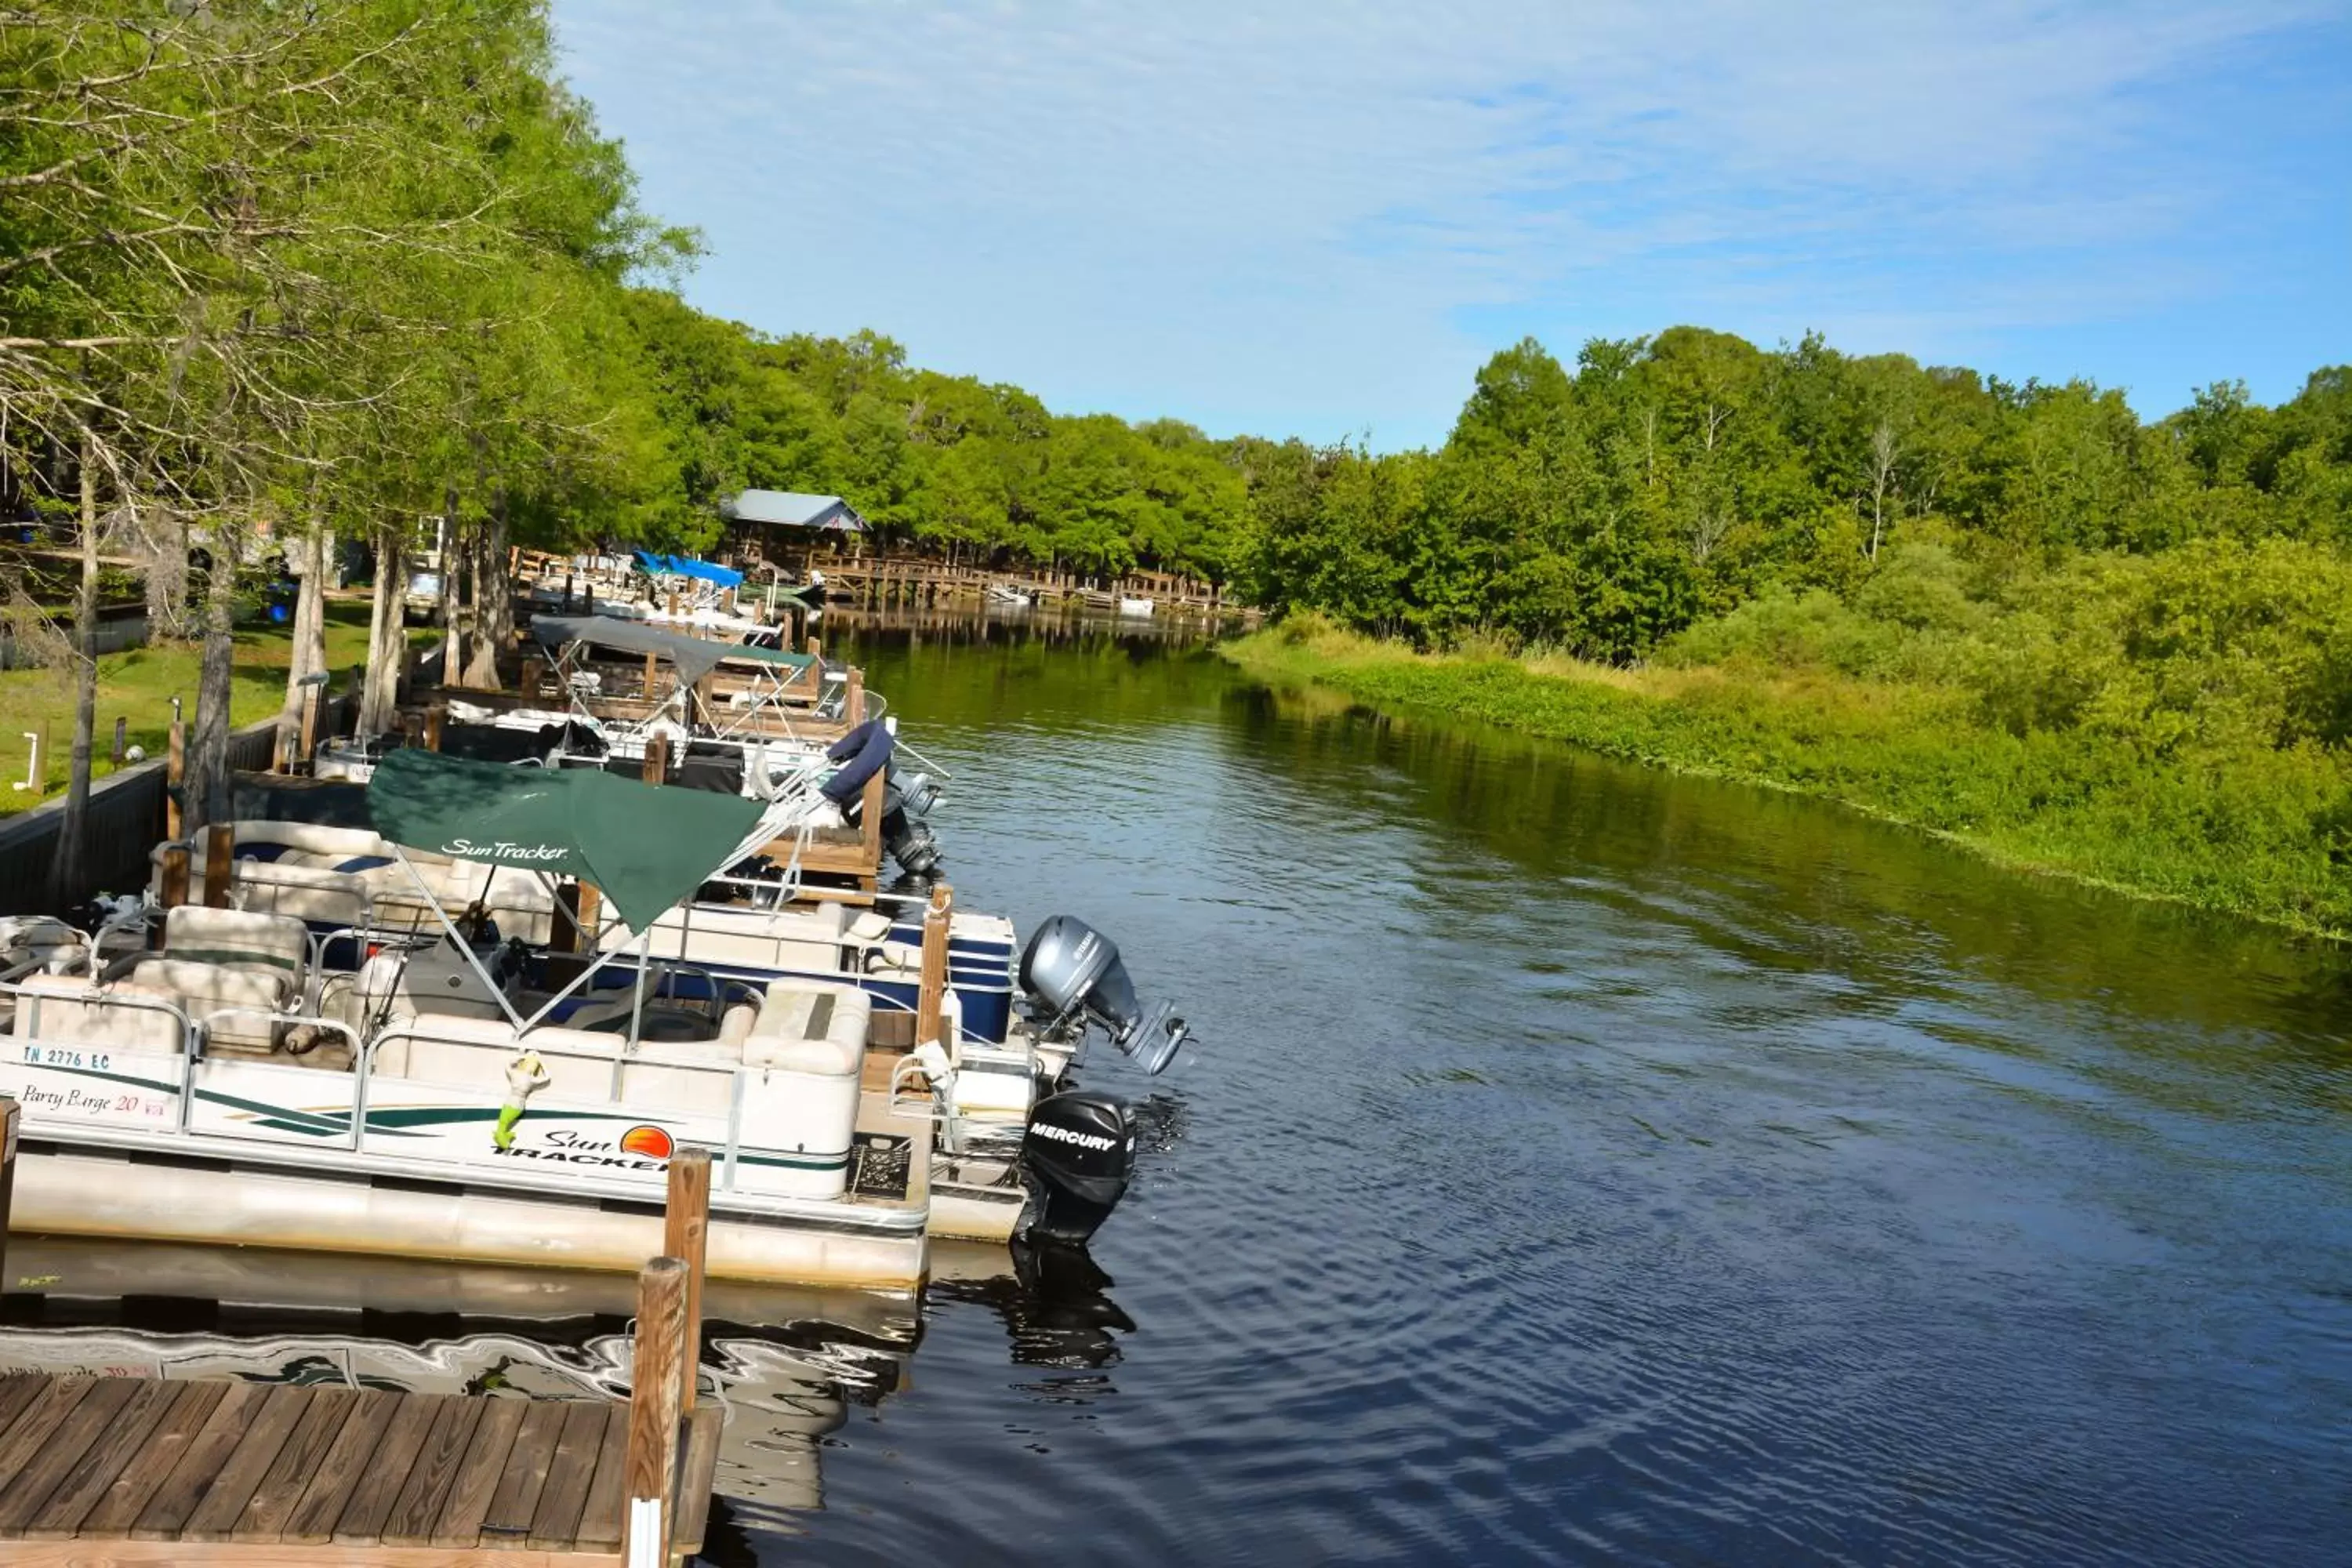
[[8, 1117], [122, 739], [435, 716], [312, 697], [930, 1001], [533, 670], [652, 666], [649, 1474], [176, 778], [685, 1236], [174, 890], [853, 705], [220, 853], [656, 763]]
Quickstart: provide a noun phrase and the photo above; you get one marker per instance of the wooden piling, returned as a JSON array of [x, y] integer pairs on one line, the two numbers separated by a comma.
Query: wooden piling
[[650, 1470], [930, 1001], [656, 763], [312, 697], [174, 889], [853, 705], [176, 779], [685, 1236], [9, 1116], [220, 853], [435, 716], [121, 741]]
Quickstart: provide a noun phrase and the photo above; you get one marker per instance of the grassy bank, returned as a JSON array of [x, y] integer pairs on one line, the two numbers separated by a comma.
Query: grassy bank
[[2261, 833], [138, 685]]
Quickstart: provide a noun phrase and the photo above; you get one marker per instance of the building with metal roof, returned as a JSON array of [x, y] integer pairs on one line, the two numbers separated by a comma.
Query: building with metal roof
[[791, 509]]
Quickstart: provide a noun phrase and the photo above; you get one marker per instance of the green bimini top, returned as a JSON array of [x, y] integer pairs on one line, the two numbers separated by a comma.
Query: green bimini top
[[646, 848], [694, 657]]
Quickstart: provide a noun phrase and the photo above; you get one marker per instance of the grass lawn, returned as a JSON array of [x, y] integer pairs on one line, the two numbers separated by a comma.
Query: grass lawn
[[139, 684]]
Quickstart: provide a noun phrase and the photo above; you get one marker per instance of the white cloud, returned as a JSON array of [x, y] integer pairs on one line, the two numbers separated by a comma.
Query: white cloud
[[1243, 212]]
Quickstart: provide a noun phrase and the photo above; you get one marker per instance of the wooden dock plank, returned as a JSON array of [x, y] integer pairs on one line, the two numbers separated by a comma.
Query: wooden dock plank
[[387, 1469], [289, 1476], [556, 1521], [328, 1487], [17, 1390], [240, 1473], [152, 1462], [418, 1510], [136, 1423], [199, 1461], [252, 1555], [477, 1479], [516, 1498], [31, 1429], [600, 1517], [67, 1441]]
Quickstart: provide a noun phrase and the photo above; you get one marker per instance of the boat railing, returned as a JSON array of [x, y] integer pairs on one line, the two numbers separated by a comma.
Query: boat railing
[[418, 1030]]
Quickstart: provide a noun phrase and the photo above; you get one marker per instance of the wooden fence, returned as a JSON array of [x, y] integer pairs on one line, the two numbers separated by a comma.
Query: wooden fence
[[126, 823]]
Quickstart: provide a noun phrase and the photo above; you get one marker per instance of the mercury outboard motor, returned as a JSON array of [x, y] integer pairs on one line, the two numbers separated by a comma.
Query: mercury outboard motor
[[1074, 975], [1080, 1152]]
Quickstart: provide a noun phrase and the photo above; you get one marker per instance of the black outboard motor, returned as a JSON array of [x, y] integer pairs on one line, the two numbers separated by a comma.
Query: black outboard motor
[[1079, 1153], [1076, 977], [905, 834]]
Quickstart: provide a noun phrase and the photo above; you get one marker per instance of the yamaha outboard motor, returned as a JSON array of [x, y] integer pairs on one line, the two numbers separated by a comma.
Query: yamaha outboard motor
[[1074, 975], [905, 834], [1079, 1153]]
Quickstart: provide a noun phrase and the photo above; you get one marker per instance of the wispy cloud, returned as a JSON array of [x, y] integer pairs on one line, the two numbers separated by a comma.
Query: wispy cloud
[[1317, 218]]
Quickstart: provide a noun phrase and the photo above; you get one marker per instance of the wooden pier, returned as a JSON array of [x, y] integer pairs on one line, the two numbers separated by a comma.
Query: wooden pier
[[97, 1471]]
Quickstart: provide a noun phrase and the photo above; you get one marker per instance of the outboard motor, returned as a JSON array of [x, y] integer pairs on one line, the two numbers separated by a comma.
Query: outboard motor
[[905, 834], [1080, 1152], [1075, 974]]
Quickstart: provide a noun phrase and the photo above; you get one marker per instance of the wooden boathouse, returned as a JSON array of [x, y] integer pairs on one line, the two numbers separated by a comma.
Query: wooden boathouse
[[98, 1472]]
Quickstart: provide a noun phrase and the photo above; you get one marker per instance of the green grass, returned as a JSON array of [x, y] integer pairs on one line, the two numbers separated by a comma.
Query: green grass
[[138, 685], [2256, 834]]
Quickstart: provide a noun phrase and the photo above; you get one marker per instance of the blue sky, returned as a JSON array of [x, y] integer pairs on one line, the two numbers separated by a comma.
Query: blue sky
[[1319, 219]]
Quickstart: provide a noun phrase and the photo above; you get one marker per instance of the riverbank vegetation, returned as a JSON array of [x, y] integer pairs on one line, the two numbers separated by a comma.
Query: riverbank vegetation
[[2016, 615]]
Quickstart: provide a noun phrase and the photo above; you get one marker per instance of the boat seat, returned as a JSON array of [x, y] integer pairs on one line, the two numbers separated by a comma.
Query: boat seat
[[73, 1010], [233, 1000], [754, 939], [818, 1029], [202, 935]]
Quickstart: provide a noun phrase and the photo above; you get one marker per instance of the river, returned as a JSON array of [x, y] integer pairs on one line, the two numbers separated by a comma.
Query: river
[[1580, 1163]]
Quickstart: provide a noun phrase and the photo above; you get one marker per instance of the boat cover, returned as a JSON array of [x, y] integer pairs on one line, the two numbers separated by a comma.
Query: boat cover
[[644, 847], [686, 566], [693, 657]]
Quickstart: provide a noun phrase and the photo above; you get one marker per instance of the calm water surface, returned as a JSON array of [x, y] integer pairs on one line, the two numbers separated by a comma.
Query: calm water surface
[[1582, 1164]]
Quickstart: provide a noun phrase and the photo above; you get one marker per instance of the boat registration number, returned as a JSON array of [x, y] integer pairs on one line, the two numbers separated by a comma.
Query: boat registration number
[[59, 1056]]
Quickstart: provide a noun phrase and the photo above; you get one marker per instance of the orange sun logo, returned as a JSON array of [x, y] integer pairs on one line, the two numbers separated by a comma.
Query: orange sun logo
[[651, 1142]]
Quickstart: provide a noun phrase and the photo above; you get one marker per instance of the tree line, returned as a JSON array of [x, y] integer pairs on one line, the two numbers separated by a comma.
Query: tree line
[[273, 277], [1669, 479]]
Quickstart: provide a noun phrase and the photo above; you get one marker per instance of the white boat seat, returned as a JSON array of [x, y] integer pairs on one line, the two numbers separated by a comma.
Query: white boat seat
[[818, 1029], [232, 1000], [73, 1010], [202, 935]]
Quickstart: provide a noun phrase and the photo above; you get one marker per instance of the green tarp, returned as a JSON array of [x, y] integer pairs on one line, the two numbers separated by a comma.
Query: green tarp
[[646, 848], [693, 657]]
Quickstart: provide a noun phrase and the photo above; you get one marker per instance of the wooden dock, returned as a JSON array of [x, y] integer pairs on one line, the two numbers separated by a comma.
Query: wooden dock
[[98, 1472]]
